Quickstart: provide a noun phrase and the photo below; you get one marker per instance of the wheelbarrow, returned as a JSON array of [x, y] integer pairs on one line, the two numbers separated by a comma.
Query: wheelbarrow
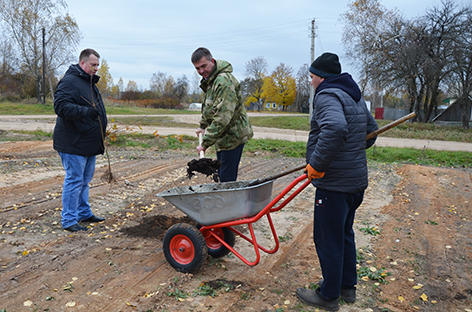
[[217, 208]]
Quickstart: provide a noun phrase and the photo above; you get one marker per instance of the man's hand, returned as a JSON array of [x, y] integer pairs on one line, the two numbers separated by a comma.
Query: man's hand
[[200, 130], [92, 112], [311, 173], [200, 149]]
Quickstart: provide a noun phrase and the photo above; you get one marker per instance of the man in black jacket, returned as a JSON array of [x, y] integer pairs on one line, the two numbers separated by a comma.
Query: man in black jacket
[[337, 167], [79, 136]]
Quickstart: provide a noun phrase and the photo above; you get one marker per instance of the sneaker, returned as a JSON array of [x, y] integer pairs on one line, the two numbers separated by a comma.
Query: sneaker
[[347, 294], [315, 299]]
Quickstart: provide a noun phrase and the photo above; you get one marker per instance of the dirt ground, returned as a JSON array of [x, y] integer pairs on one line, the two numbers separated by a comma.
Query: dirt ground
[[413, 232]]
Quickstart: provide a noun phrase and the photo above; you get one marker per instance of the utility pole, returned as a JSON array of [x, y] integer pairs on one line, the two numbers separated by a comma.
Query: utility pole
[[43, 100], [312, 92]]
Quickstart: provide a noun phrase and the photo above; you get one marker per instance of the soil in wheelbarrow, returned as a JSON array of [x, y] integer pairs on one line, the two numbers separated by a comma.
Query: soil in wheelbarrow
[[413, 232]]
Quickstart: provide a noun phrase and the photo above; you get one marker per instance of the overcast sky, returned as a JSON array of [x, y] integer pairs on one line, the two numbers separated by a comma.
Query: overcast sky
[[139, 38]]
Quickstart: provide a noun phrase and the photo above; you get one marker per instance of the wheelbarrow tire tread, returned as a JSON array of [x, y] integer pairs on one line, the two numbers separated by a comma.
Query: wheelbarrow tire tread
[[190, 237], [215, 248], [230, 238]]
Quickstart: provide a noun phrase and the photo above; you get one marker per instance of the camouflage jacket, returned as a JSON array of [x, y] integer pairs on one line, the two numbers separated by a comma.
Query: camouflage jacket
[[224, 116]]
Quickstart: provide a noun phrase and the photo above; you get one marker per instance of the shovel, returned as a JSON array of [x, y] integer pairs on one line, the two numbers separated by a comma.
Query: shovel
[[203, 165], [368, 137]]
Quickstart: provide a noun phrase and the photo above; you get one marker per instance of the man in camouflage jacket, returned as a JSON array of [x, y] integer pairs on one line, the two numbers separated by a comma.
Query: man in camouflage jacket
[[224, 122]]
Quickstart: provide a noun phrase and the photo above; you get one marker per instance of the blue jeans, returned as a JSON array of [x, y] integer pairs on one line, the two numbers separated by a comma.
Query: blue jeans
[[75, 191], [334, 239], [228, 171]]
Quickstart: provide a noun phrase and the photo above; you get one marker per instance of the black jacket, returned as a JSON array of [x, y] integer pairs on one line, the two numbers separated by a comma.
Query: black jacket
[[337, 140], [75, 133]]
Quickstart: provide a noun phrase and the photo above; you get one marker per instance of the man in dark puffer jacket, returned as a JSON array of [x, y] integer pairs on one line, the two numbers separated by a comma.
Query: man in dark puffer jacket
[[79, 136], [337, 167]]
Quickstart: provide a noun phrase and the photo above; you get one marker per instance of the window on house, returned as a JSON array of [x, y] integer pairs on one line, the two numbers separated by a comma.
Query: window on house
[[274, 105], [267, 105]]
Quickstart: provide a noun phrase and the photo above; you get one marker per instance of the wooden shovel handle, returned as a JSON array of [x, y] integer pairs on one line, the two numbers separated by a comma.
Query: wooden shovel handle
[[390, 125], [200, 141], [369, 136]]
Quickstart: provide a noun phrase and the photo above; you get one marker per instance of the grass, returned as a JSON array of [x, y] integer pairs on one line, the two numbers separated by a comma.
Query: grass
[[283, 122], [420, 157]]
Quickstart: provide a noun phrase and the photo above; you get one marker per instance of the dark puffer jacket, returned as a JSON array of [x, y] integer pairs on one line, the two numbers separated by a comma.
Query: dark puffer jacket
[[337, 140], [75, 133]]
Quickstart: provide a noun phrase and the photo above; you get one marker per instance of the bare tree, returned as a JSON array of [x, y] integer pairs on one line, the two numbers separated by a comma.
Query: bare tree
[[303, 88], [158, 83], [181, 88], [460, 80], [255, 71], [24, 21]]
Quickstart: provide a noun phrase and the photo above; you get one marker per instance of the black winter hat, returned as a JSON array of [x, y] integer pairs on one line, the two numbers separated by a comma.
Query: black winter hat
[[326, 65]]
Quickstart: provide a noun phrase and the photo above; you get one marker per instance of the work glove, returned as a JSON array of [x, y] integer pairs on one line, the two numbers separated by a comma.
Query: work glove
[[311, 173], [92, 112]]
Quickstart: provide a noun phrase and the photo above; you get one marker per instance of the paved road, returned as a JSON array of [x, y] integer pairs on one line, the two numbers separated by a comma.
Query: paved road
[[47, 122]]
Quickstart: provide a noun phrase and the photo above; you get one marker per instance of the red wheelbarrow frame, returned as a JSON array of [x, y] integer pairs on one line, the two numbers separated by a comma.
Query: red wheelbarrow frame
[[249, 221]]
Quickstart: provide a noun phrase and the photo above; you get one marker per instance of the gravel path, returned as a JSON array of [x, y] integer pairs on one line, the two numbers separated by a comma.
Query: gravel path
[[47, 122]]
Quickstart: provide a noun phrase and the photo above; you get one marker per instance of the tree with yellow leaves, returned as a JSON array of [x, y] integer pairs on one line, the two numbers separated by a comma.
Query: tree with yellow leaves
[[105, 84], [280, 86]]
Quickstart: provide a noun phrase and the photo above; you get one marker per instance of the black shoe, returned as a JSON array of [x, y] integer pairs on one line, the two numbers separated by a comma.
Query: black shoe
[[93, 219], [313, 298], [75, 228], [347, 294]]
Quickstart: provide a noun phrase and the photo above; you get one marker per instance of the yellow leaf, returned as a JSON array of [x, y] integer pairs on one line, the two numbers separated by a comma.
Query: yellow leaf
[[70, 304], [181, 299], [418, 286], [424, 297], [25, 252], [401, 298]]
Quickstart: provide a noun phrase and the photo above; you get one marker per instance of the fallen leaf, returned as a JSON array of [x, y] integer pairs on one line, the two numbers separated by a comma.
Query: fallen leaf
[[424, 297], [70, 304], [28, 303], [401, 298], [418, 286]]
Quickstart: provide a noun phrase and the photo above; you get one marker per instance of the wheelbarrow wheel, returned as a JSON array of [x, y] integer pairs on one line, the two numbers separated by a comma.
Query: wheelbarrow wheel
[[215, 248], [185, 248]]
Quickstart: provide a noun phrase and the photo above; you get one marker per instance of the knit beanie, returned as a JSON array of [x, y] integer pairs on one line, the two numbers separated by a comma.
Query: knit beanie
[[326, 65]]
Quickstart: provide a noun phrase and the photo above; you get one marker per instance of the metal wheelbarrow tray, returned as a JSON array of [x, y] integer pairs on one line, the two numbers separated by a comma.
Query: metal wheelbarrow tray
[[217, 208]]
